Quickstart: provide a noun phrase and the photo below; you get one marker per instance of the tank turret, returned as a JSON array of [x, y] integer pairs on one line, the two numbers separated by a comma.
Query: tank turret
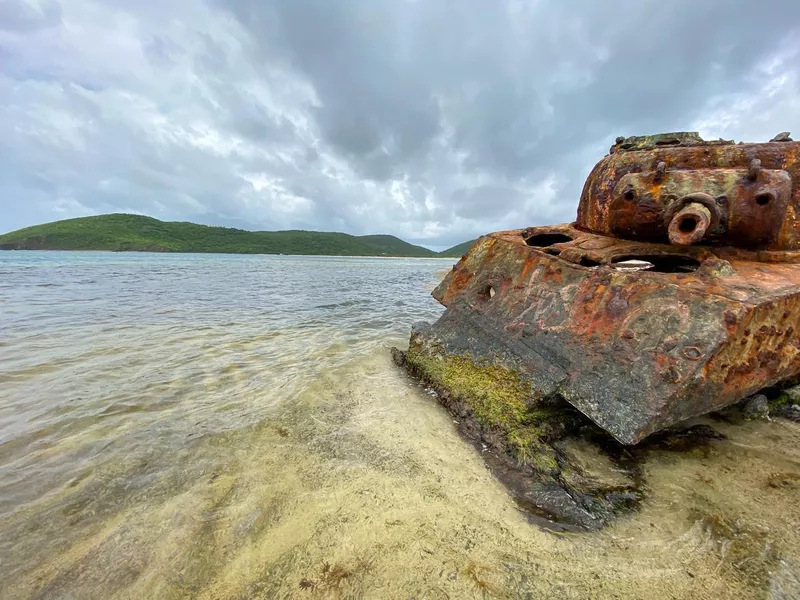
[[678, 189]]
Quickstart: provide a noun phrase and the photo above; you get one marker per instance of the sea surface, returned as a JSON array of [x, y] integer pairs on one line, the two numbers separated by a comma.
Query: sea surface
[[220, 426]]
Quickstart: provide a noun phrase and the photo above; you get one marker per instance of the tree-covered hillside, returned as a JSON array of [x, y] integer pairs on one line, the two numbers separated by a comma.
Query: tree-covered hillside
[[124, 232], [458, 250]]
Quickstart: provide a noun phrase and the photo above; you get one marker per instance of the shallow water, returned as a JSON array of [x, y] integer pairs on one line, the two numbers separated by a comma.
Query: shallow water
[[177, 426]]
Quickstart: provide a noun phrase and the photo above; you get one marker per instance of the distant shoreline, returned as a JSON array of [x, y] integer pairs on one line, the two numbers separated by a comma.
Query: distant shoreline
[[119, 232], [174, 252]]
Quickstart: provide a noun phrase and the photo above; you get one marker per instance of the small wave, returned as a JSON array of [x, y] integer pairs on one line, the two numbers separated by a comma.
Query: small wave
[[345, 304]]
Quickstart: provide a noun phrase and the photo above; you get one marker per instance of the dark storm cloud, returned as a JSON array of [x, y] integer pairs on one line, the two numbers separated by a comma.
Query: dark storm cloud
[[436, 121], [519, 84]]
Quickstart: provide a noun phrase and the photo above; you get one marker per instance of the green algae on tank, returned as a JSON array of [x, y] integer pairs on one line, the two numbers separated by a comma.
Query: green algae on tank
[[525, 439]]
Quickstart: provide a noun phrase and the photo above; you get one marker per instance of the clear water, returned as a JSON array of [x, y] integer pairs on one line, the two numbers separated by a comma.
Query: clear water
[[208, 426]]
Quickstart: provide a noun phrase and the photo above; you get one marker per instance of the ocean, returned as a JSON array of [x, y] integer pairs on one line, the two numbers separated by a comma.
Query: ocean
[[229, 426]]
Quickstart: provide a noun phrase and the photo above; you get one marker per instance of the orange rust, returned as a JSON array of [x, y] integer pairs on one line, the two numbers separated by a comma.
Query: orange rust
[[527, 266], [637, 332], [599, 211]]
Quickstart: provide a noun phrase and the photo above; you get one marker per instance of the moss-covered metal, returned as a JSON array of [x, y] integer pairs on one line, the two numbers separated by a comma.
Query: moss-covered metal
[[499, 398]]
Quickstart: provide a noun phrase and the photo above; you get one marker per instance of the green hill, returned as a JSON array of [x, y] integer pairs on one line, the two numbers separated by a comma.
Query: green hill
[[124, 232], [456, 251]]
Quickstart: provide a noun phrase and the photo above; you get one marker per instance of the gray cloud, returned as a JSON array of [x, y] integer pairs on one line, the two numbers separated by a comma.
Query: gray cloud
[[27, 17], [433, 121]]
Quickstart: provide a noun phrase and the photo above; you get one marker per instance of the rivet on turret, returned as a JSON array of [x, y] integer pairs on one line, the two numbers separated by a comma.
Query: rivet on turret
[[661, 169], [755, 169]]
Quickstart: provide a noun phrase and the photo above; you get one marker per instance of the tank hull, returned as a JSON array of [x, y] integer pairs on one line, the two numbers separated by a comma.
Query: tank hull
[[635, 335]]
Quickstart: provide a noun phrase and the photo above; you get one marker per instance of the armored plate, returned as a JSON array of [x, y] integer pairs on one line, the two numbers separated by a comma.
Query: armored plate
[[637, 336]]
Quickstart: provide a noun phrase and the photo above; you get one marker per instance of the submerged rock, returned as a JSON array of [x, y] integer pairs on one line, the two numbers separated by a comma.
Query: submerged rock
[[399, 357], [756, 407]]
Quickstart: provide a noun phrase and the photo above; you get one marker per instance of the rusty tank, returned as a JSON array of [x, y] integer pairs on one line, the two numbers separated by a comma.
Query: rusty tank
[[674, 293]]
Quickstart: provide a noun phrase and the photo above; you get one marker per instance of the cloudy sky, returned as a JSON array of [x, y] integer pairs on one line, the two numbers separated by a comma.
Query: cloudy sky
[[434, 120]]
